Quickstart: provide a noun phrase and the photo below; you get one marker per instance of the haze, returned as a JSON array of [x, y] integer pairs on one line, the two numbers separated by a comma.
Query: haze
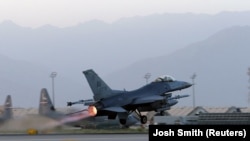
[[62, 13], [123, 40]]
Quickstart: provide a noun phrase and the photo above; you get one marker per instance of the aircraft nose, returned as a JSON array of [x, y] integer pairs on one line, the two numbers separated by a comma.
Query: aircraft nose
[[187, 84]]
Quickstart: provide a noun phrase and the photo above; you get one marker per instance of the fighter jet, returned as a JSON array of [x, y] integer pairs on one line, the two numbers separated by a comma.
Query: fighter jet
[[7, 112], [155, 96]]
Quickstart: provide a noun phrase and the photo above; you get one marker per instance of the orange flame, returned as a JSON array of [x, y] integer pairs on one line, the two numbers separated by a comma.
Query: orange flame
[[92, 110]]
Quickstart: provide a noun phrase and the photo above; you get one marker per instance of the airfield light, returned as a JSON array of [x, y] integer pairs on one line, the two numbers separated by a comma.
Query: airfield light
[[193, 77], [248, 73], [53, 75], [92, 110], [147, 76]]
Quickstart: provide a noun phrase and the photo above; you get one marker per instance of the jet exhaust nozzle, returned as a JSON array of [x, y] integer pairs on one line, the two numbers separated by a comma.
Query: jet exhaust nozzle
[[92, 110]]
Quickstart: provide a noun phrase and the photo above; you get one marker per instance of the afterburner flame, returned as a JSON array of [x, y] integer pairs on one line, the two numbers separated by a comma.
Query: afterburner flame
[[92, 110]]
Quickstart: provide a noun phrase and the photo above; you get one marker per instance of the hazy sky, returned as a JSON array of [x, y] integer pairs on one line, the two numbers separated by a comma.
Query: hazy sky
[[62, 13]]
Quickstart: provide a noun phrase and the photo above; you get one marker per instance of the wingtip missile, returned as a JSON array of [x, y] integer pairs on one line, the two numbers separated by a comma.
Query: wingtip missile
[[179, 96]]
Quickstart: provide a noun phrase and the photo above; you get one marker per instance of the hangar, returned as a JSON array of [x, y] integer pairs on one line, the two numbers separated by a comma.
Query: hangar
[[203, 116]]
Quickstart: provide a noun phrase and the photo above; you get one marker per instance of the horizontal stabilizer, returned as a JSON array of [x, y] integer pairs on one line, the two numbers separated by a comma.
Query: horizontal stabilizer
[[148, 99]]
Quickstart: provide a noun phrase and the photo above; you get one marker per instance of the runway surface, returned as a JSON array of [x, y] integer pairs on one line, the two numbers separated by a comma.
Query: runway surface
[[76, 137]]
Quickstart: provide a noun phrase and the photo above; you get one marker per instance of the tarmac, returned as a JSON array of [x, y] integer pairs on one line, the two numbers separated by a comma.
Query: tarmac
[[75, 137]]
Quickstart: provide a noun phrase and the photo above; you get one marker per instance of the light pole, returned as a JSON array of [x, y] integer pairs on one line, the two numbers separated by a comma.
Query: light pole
[[193, 77], [53, 75], [147, 76], [248, 73]]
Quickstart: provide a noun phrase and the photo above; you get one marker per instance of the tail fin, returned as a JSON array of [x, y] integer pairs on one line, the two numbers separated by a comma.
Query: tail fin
[[46, 107], [8, 113], [99, 88]]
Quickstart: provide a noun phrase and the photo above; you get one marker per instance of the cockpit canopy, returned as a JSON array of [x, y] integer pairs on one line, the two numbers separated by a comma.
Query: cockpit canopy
[[165, 78]]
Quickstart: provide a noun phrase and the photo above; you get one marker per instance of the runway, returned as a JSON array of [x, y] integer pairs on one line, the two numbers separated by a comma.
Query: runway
[[76, 137]]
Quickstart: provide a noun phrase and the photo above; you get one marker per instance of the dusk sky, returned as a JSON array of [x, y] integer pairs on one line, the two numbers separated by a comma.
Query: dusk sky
[[63, 13], [170, 43]]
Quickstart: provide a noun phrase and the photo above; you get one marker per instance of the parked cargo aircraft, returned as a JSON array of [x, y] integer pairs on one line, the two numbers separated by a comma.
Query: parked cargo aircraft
[[7, 112], [151, 97]]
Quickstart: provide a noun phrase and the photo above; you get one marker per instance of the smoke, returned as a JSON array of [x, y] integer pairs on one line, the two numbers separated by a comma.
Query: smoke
[[29, 122], [41, 123]]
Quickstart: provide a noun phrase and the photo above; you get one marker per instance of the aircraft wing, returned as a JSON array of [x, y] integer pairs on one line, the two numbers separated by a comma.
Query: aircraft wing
[[147, 99], [140, 100], [115, 109]]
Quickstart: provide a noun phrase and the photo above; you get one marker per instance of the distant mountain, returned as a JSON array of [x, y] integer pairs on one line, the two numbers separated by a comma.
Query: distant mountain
[[220, 62], [108, 48], [24, 81], [97, 44]]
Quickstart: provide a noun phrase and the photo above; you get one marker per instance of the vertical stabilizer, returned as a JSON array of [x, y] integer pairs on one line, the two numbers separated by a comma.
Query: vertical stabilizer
[[46, 107], [8, 113], [99, 88]]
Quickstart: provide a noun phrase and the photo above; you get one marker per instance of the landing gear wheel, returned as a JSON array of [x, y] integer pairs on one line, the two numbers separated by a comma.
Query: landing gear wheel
[[123, 121], [143, 119]]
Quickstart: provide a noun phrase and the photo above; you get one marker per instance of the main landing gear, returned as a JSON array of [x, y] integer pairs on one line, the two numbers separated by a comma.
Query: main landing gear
[[123, 118], [143, 118]]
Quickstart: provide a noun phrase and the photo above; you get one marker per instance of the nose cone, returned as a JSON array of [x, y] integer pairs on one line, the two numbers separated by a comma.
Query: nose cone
[[184, 85], [187, 85], [178, 85]]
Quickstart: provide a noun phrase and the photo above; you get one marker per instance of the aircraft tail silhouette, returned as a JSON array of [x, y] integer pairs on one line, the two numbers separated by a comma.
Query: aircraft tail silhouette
[[46, 107], [8, 113], [99, 88]]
